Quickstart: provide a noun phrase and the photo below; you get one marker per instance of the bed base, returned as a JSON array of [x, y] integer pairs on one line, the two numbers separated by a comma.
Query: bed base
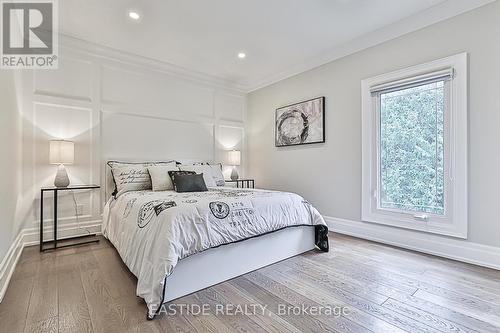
[[217, 265]]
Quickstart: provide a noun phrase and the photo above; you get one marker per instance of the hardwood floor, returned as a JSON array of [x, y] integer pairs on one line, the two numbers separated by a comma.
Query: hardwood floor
[[379, 288]]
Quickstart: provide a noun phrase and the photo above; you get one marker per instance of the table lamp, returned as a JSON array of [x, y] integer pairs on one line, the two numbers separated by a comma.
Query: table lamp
[[234, 160], [61, 152]]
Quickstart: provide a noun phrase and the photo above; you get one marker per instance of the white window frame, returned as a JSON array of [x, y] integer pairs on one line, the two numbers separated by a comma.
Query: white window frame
[[455, 221]]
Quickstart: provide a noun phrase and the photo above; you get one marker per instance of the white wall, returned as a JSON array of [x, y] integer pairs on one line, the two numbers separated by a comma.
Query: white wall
[[329, 175], [10, 176], [10, 151], [117, 106]]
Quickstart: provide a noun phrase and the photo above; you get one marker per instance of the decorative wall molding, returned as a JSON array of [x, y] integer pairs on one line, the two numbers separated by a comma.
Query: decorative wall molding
[[31, 237], [107, 53], [115, 85], [122, 111], [111, 83], [451, 248]]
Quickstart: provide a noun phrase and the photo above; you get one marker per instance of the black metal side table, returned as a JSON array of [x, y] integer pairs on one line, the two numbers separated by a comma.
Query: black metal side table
[[244, 182], [56, 190]]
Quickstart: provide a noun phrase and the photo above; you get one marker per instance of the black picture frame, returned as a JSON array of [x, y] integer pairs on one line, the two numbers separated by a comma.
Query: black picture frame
[[277, 125]]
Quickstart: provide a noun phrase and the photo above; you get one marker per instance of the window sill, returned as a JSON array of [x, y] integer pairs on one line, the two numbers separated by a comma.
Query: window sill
[[457, 229]]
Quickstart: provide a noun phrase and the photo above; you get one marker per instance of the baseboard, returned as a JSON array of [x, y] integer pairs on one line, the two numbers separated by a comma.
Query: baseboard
[[31, 236], [442, 246], [9, 263]]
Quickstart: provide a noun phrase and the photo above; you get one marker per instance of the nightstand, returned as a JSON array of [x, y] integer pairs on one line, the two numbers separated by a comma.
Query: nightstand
[[244, 182], [56, 190]]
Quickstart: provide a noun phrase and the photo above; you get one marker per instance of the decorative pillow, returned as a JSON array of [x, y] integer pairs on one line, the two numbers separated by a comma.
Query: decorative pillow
[[118, 164], [160, 178], [130, 176], [130, 179], [206, 170], [217, 174], [189, 183], [173, 174]]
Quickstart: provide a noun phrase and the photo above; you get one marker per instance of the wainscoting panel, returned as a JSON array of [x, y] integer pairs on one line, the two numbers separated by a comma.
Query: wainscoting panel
[[118, 107], [72, 79], [52, 121], [113, 105], [165, 94], [126, 136], [231, 137], [230, 107]]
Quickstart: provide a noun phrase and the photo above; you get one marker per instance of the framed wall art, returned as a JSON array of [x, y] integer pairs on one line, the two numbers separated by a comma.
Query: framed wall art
[[300, 123]]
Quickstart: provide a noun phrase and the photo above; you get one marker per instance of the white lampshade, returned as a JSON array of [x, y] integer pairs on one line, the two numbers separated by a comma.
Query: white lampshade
[[234, 157], [61, 152]]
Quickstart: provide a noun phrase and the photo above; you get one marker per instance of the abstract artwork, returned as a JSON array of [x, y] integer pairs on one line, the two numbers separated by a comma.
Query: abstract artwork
[[300, 123]]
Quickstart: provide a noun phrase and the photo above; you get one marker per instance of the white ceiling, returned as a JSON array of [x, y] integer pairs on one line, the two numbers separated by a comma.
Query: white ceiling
[[280, 37]]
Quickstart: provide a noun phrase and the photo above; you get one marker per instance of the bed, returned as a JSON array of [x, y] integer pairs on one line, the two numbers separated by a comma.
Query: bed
[[179, 243]]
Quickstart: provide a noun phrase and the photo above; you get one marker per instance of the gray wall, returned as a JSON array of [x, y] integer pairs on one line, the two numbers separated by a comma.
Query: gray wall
[[329, 175], [10, 148]]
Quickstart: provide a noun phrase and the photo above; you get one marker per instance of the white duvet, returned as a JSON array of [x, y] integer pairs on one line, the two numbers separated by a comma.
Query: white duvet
[[152, 231]]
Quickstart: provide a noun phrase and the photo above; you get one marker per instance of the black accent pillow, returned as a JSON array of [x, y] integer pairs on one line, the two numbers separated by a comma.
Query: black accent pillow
[[174, 173], [189, 183]]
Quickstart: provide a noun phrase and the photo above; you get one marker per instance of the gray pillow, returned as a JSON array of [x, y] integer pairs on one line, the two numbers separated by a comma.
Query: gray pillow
[[189, 183]]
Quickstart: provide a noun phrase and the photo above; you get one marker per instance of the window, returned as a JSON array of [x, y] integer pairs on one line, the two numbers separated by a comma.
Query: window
[[415, 147], [412, 148]]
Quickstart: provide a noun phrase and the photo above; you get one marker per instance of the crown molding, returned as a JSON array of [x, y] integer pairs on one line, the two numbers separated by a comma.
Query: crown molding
[[104, 52], [425, 18]]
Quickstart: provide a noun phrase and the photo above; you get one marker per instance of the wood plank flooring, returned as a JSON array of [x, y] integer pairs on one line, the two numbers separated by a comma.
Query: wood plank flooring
[[380, 288]]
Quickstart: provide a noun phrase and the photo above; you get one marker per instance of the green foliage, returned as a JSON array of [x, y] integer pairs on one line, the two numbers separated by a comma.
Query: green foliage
[[412, 149]]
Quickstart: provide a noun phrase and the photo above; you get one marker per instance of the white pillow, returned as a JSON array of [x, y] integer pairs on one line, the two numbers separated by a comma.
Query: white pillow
[[206, 170], [160, 179], [130, 176], [217, 174]]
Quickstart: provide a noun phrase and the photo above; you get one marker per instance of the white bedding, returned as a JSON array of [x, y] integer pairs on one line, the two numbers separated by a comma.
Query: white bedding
[[152, 231]]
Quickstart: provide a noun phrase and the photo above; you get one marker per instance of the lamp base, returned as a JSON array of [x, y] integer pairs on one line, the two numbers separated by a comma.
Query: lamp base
[[234, 174], [62, 179]]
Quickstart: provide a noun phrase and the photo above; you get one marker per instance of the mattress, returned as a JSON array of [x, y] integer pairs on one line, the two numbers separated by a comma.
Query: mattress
[[152, 231]]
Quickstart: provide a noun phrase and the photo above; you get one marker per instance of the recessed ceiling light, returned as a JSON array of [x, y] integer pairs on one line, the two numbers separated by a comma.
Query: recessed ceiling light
[[242, 55], [134, 15]]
